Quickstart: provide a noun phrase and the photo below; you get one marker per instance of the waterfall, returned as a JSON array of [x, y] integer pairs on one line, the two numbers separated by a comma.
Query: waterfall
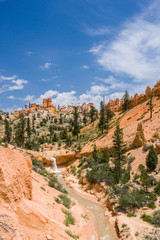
[[54, 165]]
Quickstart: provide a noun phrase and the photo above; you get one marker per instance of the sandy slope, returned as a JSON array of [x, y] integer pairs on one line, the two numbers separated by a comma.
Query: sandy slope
[[39, 217], [129, 124]]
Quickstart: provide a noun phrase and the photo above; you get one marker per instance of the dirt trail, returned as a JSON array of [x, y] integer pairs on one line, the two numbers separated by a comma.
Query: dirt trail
[[105, 231]]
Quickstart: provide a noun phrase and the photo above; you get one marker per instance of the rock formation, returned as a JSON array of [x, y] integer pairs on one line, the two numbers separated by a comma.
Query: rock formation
[[139, 138], [15, 176], [47, 105], [66, 111], [116, 105]]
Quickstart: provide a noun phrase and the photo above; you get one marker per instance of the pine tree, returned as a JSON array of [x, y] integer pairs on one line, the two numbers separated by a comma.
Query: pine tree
[[95, 152], [20, 131], [92, 113], [119, 151], [84, 119], [75, 123], [146, 182], [152, 159], [51, 130], [150, 105], [102, 119], [109, 115], [60, 120], [28, 129], [8, 130], [33, 124], [125, 101]]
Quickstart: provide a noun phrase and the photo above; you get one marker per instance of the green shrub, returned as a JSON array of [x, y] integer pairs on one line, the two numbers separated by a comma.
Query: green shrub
[[151, 205], [65, 200], [146, 218], [156, 218], [57, 200], [74, 236], [43, 188], [73, 169], [69, 218], [130, 215]]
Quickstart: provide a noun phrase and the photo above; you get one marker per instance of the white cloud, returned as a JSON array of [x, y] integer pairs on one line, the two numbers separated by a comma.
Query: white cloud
[[85, 67], [65, 98], [48, 79], [18, 84], [108, 80], [11, 83], [135, 51], [29, 53], [2, 78], [47, 65], [93, 32], [98, 89], [48, 94], [11, 97], [27, 98]]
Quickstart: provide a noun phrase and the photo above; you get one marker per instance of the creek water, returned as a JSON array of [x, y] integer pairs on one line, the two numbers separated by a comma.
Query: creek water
[[104, 229]]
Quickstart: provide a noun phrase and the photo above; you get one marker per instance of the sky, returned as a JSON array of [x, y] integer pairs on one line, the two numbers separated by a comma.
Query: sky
[[77, 51]]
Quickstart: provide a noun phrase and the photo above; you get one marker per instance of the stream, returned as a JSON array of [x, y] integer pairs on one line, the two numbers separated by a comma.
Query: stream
[[103, 227]]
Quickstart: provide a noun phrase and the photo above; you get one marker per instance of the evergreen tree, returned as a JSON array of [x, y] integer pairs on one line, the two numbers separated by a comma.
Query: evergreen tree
[[146, 182], [63, 133], [55, 120], [102, 119], [8, 130], [119, 151], [28, 129], [150, 106], [51, 130], [20, 131], [33, 124], [84, 119], [55, 137], [125, 101], [69, 140], [152, 159], [92, 113], [75, 123], [60, 120], [95, 152], [109, 115]]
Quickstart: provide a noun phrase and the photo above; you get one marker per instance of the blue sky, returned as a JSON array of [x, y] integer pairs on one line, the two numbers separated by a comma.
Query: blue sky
[[77, 51]]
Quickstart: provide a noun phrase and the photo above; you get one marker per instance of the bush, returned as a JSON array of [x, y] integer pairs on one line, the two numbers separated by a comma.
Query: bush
[[135, 199], [151, 205], [156, 218], [146, 218], [57, 200], [73, 169], [74, 236], [157, 188], [130, 215], [69, 218], [65, 200]]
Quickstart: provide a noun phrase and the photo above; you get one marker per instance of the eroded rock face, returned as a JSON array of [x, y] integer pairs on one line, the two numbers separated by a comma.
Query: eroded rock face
[[116, 105], [67, 111], [139, 138], [15, 176]]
